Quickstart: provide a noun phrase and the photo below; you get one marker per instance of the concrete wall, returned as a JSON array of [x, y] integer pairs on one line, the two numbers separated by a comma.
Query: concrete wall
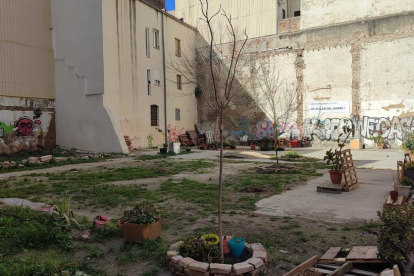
[[316, 13], [26, 124], [26, 56], [81, 118], [258, 17], [126, 64]]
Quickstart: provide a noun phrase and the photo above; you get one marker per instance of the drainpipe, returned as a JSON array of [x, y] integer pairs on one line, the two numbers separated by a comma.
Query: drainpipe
[[165, 77], [277, 16]]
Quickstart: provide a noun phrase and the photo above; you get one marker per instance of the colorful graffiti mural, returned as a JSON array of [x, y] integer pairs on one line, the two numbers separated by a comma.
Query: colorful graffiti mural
[[26, 127], [330, 129], [265, 129]]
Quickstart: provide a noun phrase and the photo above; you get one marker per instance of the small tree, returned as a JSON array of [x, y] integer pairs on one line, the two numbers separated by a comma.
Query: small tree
[[396, 237], [276, 98]]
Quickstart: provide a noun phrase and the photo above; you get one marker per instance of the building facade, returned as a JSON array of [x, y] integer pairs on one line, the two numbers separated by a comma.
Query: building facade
[[114, 90], [347, 61], [27, 92]]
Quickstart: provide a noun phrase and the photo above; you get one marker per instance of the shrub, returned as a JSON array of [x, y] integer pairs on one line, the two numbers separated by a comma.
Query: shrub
[[396, 237], [199, 250]]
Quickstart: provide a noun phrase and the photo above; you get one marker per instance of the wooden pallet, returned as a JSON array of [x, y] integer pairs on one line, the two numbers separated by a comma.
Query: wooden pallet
[[392, 204], [357, 254], [343, 269], [349, 170], [330, 188]]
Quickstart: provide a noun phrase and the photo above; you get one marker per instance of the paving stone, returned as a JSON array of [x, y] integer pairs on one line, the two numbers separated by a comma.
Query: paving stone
[[199, 266], [176, 258], [256, 262], [241, 268], [190, 272], [185, 262], [257, 247], [224, 269], [175, 246], [45, 158], [171, 254], [260, 254]]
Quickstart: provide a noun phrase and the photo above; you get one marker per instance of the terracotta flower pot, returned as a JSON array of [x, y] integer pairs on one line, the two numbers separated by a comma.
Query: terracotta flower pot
[[394, 195], [253, 147], [226, 248], [336, 176], [141, 232], [99, 222]]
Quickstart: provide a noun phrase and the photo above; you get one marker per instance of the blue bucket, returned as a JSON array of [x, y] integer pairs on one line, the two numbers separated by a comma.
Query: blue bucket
[[237, 247]]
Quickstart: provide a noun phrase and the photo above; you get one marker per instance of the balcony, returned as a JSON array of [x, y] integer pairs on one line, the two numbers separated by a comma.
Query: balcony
[[289, 25]]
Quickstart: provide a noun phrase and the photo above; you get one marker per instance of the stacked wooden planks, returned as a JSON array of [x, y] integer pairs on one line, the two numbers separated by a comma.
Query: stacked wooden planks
[[349, 170]]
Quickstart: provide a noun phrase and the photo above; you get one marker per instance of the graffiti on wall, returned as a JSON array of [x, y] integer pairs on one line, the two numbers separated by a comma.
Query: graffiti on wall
[[23, 127], [267, 129], [329, 129]]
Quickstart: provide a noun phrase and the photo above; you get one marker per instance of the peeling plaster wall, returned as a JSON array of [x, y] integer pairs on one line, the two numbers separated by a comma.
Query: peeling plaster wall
[[26, 124]]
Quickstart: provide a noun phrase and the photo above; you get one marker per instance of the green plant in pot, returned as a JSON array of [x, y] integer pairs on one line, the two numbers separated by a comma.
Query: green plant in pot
[[378, 139], [409, 170], [61, 209], [333, 158], [403, 188], [141, 223], [408, 144]]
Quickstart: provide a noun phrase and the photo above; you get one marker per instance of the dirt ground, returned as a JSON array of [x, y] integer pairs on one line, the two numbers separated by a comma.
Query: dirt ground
[[185, 190]]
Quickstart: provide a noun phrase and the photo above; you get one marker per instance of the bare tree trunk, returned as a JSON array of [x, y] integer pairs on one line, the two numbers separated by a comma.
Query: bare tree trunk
[[217, 126], [220, 189], [276, 143], [408, 267]]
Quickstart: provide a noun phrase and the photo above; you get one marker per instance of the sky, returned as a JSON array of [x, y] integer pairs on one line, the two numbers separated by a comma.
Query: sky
[[170, 5]]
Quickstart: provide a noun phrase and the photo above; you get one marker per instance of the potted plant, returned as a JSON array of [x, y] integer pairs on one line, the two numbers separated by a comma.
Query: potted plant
[[63, 213], [211, 239], [404, 187], [408, 144], [237, 247], [253, 147], [333, 158], [409, 170], [164, 149], [141, 223], [226, 248], [99, 222], [378, 139]]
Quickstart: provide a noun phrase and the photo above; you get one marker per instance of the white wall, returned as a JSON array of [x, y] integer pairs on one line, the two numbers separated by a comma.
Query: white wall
[[316, 13], [81, 119]]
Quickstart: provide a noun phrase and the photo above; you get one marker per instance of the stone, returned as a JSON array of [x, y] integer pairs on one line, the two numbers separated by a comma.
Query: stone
[[6, 164], [257, 247], [257, 271], [61, 159], [21, 166], [256, 262], [261, 254], [176, 258], [224, 269], [177, 267], [199, 266], [241, 268], [71, 158], [85, 157], [171, 254], [13, 164], [45, 158], [32, 160], [185, 262], [190, 272], [175, 246], [24, 161], [179, 274], [231, 274]]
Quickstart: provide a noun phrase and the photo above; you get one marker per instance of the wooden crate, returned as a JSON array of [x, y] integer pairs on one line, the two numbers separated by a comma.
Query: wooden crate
[[357, 254], [349, 170]]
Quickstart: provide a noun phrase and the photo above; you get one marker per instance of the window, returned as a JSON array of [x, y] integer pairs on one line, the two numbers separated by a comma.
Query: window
[[177, 114], [296, 13], [157, 78], [283, 14], [179, 84], [147, 42], [178, 47], [156, 38], [154, 115], [149, 81]]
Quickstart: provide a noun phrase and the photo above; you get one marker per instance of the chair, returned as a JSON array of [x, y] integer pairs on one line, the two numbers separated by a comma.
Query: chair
[[244, 140], [210, 137]]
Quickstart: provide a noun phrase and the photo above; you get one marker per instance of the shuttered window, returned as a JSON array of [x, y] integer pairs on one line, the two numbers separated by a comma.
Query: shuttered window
[[179, 83], [147, 42], [177, 114], [178, 47], [154, 115]]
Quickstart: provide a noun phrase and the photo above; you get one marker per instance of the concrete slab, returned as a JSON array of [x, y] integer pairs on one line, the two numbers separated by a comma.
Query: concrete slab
[[359, 204]]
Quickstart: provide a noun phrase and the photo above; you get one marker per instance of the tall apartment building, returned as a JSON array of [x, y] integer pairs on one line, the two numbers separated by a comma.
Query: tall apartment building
[[27, 92], [347, 59]]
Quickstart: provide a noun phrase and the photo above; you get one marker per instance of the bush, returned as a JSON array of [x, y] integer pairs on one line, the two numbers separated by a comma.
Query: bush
[[396, 237], [199, 250], [23, 228]]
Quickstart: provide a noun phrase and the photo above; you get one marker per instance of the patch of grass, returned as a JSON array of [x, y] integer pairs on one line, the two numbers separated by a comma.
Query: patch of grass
[[23, 228], [161, 155]]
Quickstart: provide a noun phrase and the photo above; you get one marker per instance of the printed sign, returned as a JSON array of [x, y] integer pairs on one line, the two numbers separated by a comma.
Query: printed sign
[[328, 107]]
